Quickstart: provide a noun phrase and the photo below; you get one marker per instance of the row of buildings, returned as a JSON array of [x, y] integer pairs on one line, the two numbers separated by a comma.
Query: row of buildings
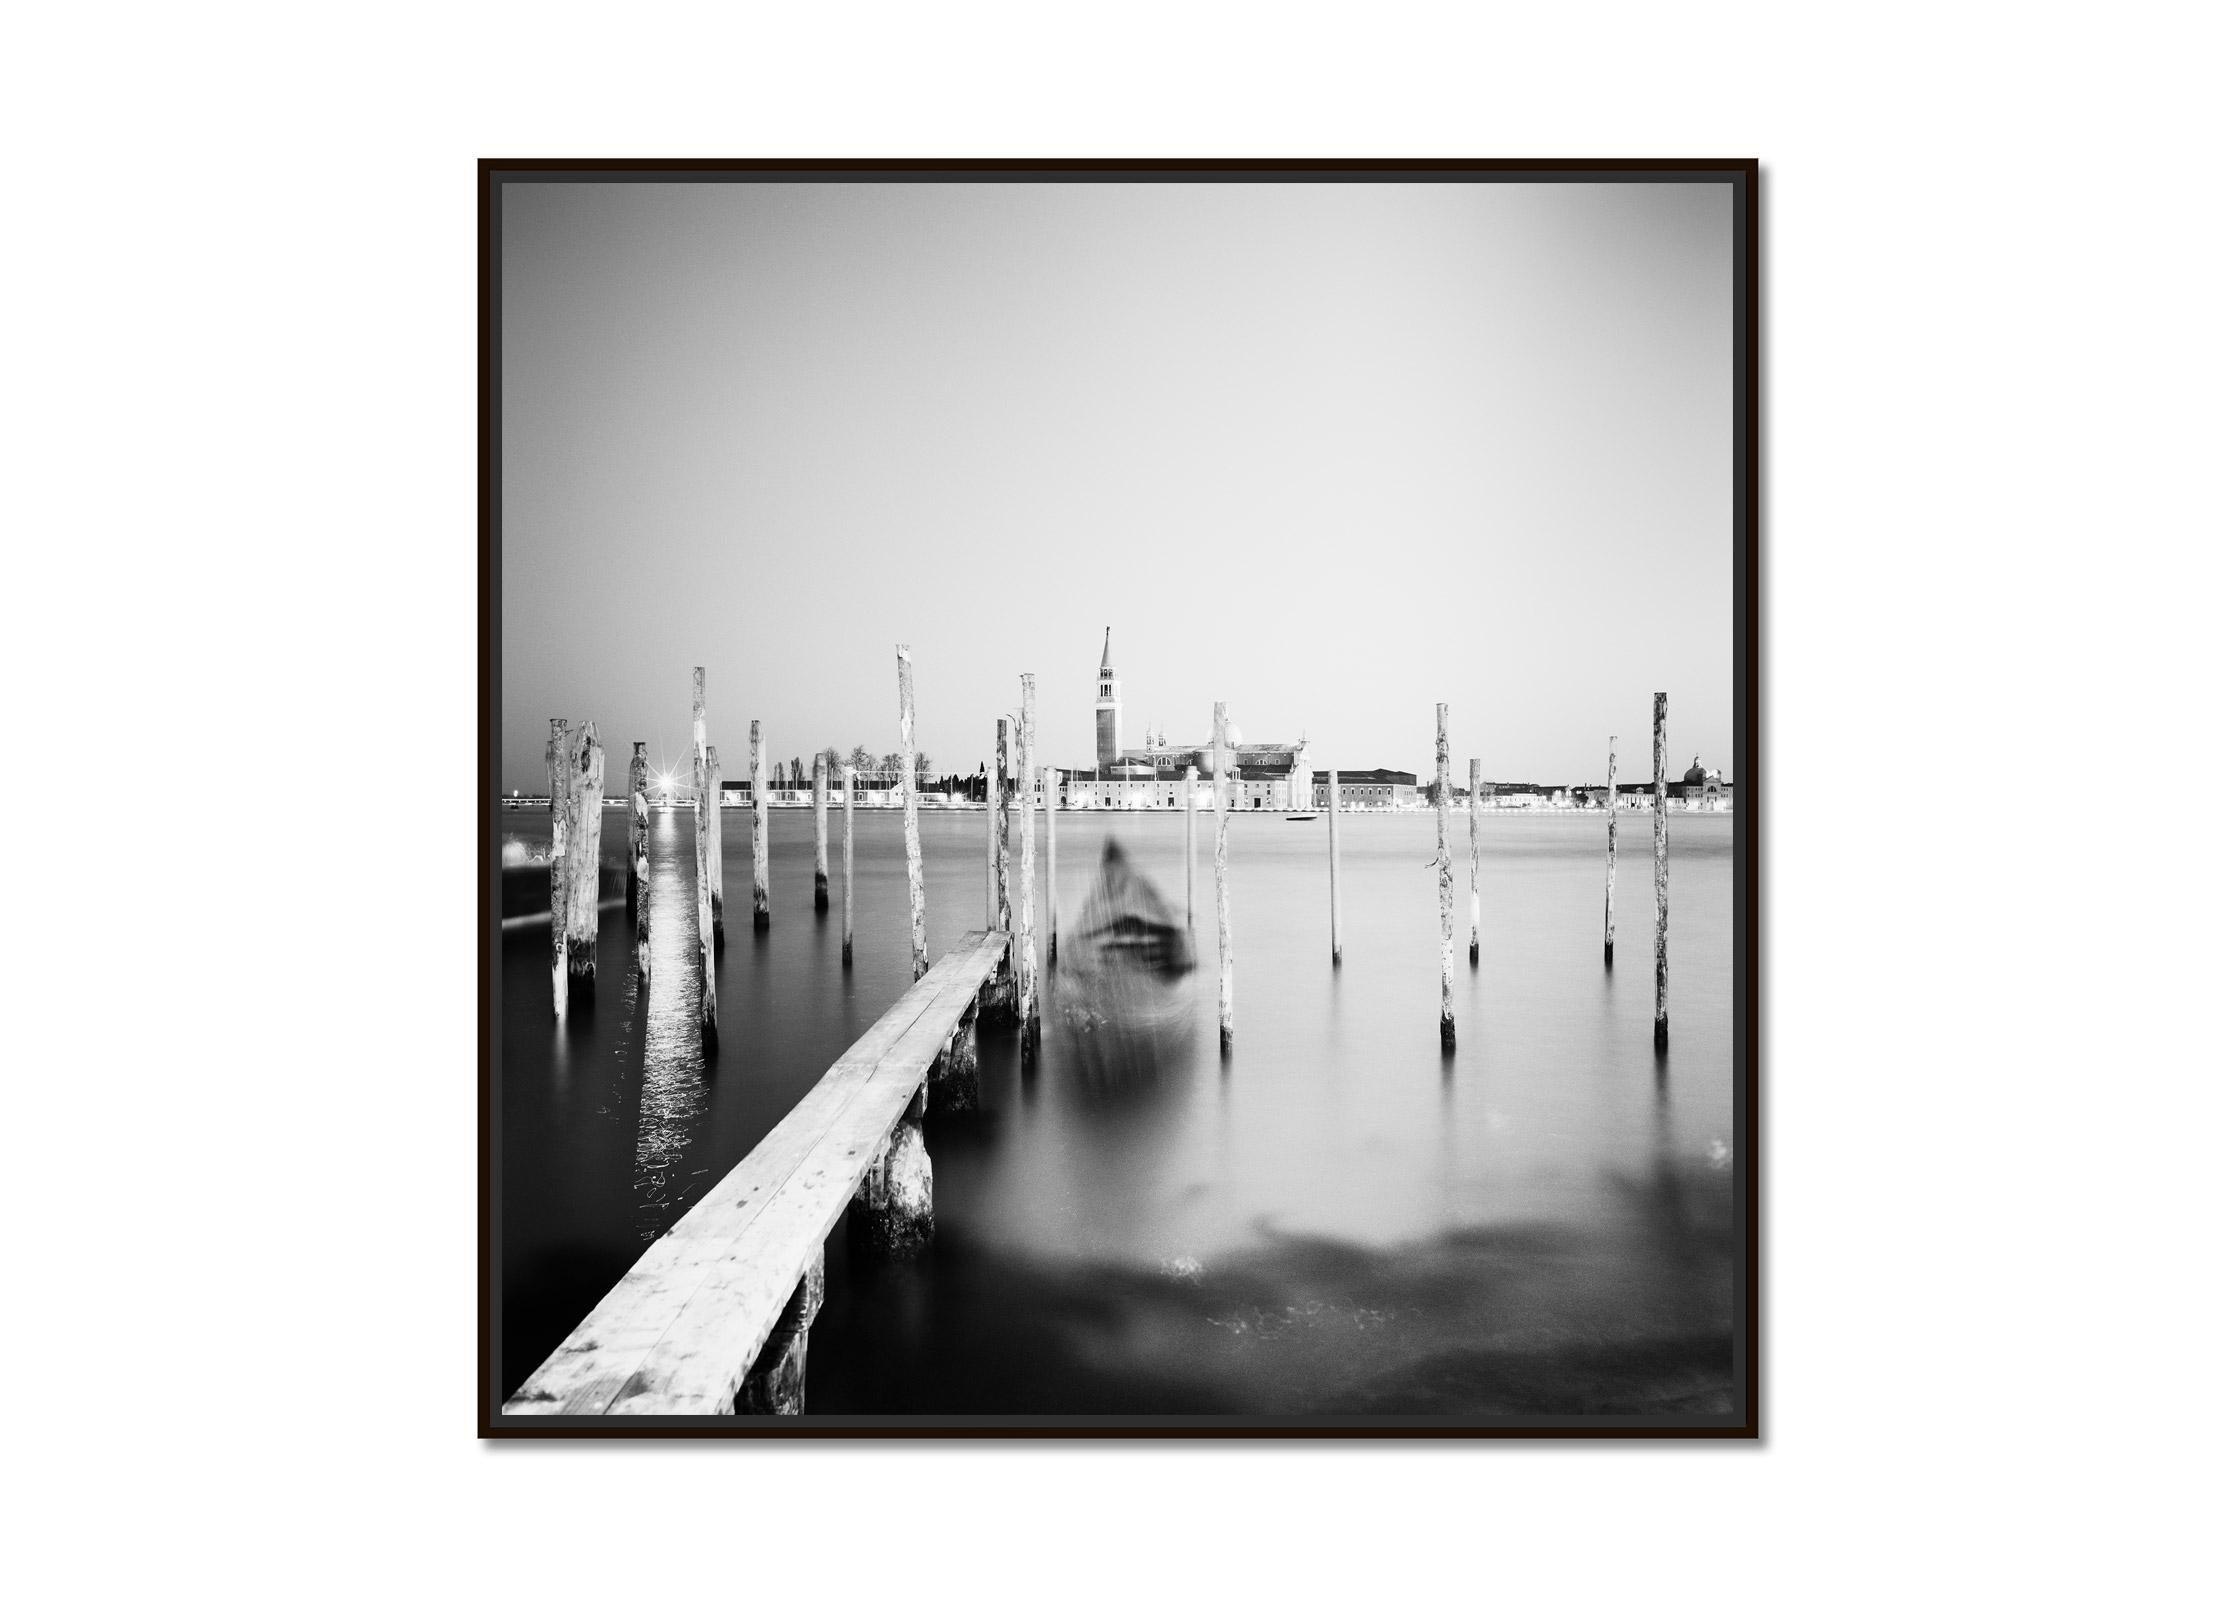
[[1154, 776], [1283, 777]]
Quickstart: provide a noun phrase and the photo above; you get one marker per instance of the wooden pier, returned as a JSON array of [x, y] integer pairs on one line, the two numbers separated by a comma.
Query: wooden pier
[[689, 1329]]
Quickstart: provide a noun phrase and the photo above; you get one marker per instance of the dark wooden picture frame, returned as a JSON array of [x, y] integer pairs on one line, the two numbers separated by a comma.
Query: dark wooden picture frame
[[1743, 1422]]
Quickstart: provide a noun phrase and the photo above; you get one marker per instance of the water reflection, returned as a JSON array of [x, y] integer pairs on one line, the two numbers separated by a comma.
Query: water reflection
[[673, 1090]]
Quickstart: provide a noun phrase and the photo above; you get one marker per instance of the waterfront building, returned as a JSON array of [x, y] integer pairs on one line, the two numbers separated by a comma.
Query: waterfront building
[[1149, 777], [1372, 788]]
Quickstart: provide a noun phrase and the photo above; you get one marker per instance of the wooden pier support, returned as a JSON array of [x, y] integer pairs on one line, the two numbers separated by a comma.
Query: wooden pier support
[[913, 858], [711, 784], [892, 1213], [1221, 872], [1190, 846], [953, 1084], [1473, 861], [1337, 919], [820, 778], [557, 787], [758, 822], [1003, 990], [777, 1383], [848, 867], [1440, 795], [1610, 868], [1025, 951], [1050, 890], [991, 803], [1664, 898], [707, 799], [587, 799], [641, 861]]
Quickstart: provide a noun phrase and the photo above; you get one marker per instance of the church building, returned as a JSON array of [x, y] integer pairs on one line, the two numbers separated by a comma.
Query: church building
[[1149, 777]]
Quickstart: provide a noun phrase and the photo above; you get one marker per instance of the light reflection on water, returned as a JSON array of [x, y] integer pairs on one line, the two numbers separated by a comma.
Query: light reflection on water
[[673, 1097], [1335, 1218]]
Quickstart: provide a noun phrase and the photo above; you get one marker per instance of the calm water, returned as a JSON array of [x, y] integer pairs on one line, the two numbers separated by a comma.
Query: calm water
[[1337, 1219]]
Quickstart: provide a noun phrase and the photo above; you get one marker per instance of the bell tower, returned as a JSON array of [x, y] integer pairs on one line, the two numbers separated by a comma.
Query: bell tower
[[1108, 711]]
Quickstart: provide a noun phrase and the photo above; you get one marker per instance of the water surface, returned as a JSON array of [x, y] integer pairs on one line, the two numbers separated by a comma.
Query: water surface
[[1336, 1218]]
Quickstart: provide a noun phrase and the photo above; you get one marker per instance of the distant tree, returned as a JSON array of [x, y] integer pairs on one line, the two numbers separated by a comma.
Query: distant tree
[[925, 765], [800, 778], [863, 761], [890, 764]]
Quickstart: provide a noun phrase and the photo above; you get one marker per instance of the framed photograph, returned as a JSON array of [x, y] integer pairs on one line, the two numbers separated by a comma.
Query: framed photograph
[[1119, 798]]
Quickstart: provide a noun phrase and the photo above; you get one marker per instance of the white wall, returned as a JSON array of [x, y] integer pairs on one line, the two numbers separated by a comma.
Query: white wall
[[2001, 1085]]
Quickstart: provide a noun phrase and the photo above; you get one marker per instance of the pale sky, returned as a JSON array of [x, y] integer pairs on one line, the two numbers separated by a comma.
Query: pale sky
[[1329, 452]]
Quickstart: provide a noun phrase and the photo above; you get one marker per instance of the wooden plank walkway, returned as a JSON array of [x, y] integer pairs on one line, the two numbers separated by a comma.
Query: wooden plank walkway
[[681, 1331]]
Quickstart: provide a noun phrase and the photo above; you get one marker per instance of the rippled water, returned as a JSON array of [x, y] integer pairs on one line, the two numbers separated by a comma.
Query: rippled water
[[1336, 1218]]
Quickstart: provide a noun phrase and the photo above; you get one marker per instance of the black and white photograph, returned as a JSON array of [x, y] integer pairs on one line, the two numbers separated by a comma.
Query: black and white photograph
[[1119, 798]]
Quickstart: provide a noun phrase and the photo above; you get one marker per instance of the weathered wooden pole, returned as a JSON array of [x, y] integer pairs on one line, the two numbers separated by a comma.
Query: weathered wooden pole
[[1610, 868], [707, 800], [1664, 901], [758, 822], [1445, 859], [1050, 891], [1473, 861], [1024, 949], [641, 861], [710, 784], [587, 805], [556, 782], [1337, 920], [999, 787], [1190, 845], [1001, 990], [993, 805], [1221, 871], [848, 867], [820, 777], [913, 859]]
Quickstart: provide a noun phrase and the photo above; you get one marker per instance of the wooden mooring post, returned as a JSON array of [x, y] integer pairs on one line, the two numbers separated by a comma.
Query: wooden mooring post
[[912, 858], [758, 822], [587, 804], [711, 779], [988, 803], [1473, 861], [1190, 846], [1050, 891], [707, 800], [1004, 990], [820, 777], [1610, 868], [1664, 898], [1337, 919], [556, 785], [1439, 797], [699, 724], [848, 867], [1024, 949], [1221, 872], [641, 861]]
